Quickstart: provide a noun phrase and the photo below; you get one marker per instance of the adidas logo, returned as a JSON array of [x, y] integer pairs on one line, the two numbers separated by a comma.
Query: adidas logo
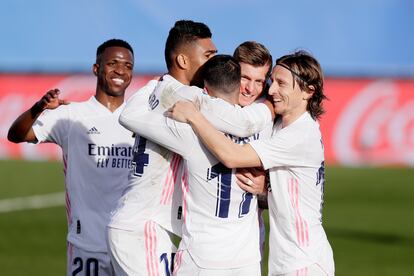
[[93, 130]]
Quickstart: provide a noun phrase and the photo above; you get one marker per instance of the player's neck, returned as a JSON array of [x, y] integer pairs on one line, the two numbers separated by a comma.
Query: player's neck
[[110, 102], [230, 98], [291, 117], [179, 76]]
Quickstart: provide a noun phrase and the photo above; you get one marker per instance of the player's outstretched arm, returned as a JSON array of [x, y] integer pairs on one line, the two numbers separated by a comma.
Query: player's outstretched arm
[[230, 154], [172, 135], [21, 129], [232, 119], [224, 116]]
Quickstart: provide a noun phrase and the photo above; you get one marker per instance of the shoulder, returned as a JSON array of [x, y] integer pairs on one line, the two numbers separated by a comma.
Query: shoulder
[[312, 126], [75, 109], [60, 111], [300, 132], [305, 124], [191, 89]]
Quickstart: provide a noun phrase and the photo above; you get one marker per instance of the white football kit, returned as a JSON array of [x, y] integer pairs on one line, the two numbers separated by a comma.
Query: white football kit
[[295, 159], [220, 228], [97, 153], [154, 189]]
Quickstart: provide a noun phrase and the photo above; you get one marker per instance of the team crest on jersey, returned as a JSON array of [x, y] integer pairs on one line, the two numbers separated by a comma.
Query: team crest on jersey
[[93, 130]]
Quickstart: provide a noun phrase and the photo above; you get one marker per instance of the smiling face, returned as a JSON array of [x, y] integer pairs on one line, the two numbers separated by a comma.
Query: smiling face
[[114, 71], [252, 82], [289, 100]]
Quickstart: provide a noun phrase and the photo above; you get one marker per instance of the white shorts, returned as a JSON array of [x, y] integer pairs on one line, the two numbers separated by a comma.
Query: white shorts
[[312, 270], [147, 251], [86, 263], [185, 266], [324, 267]]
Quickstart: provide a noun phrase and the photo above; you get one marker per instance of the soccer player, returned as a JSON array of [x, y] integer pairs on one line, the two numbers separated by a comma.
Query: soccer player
[[220, 231], [96, 150], [150, 211], [256, 65], [295, 158]]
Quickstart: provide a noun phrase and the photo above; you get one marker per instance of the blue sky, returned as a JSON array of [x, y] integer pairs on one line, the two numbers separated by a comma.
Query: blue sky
[[350, 38]]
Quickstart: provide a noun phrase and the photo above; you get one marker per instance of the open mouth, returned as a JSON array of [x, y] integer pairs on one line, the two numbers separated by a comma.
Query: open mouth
[[247, 95], [118, 81]]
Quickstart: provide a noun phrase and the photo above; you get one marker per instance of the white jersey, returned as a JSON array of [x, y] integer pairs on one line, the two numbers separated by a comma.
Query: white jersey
[[154, 176], [220, 228], [97, 154], [154, 189], [295, 159]]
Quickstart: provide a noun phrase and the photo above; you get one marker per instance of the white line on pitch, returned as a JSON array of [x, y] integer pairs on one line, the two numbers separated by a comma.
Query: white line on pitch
[[32, 202]]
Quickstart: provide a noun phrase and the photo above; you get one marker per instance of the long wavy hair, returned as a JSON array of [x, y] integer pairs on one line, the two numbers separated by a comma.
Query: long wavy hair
[[307, 72]]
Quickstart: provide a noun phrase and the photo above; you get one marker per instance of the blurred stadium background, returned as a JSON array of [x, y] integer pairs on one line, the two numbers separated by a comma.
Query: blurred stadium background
[[365, 48]]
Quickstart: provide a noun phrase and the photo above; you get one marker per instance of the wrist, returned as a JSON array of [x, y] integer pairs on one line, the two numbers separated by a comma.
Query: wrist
[[36, 109], [195, 118]]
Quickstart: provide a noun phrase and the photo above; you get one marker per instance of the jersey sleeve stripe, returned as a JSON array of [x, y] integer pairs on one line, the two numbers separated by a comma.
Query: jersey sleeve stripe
[[184, 188], [68, 208], [177, 161], [170, 179]]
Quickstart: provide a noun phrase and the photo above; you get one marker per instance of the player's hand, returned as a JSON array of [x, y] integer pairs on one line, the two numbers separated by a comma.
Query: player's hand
[[50, 100], [182, 111], [252, 180]]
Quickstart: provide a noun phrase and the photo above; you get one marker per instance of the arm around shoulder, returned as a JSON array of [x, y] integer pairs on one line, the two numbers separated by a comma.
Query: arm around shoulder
[[232, 119], [229, 153]]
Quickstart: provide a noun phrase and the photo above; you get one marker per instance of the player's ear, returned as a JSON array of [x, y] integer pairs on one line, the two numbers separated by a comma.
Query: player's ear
[[309, 92], [206, 88], [95, 69], [182, 61]]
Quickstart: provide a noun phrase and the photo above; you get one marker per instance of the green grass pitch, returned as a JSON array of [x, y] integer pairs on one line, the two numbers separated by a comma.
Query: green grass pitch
[[368, 216]]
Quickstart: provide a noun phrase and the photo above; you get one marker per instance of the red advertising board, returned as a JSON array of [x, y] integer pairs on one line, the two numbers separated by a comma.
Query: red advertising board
[[20, 92], [367, 121]]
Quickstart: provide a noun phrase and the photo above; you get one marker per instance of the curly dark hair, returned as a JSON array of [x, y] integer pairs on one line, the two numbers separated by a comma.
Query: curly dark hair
[[112, 43]]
